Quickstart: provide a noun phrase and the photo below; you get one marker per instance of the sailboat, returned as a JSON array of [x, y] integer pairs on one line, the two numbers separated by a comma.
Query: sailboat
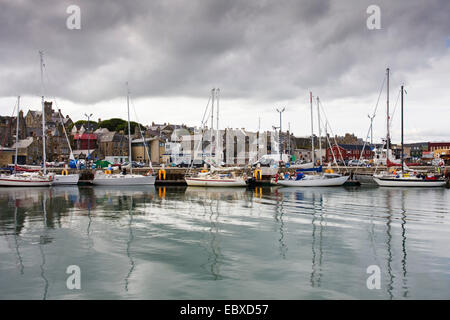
[[402, 178], [215, 177], [29, 179], [25, 179], [65, 178], [121, 179], [320, 179]]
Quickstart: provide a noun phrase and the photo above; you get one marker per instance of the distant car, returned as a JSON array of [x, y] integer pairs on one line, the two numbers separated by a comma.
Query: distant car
[[198, 163], [356, 163], [138, 164], [183, 164], [264, 162]]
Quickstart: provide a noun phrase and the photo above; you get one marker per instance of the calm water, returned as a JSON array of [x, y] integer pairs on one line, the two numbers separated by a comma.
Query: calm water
[[183, 243]]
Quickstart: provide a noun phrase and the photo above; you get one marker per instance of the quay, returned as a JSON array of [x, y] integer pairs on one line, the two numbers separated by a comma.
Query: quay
[[175, 175]]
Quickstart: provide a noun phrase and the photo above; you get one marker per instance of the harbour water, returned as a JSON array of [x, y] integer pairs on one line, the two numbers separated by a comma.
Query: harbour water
[[195, 243]]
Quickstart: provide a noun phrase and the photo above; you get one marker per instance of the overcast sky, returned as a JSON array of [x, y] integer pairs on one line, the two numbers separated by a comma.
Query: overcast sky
[[261, 54]]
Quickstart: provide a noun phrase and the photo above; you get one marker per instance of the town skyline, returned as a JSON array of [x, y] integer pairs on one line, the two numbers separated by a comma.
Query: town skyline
[[262, 56]]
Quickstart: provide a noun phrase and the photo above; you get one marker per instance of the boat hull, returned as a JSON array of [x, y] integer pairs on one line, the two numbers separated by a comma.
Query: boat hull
[[365, 179], [12, 182], [201, 182], [123, 180], [408, 183], [328, 182], [70, 179]]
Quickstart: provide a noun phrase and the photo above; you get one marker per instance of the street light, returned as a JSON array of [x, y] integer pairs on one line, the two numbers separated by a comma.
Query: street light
[[279, 138], [89, 136]]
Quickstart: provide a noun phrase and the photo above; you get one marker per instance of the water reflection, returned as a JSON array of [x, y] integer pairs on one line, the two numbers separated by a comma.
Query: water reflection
[[16, 243], [212, 201], [43, 240], [221, 242], [279, 212], [130, 239]]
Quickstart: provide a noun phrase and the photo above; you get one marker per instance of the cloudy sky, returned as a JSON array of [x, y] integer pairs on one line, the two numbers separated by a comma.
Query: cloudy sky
[[261, 54]]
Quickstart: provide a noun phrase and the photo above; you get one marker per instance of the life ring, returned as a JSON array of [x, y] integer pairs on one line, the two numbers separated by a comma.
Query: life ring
[[65, 172], [162, 173], [107, 171], [258, 174]]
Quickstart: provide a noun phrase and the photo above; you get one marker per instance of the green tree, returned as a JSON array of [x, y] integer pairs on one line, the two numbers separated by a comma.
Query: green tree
[[117, 124]]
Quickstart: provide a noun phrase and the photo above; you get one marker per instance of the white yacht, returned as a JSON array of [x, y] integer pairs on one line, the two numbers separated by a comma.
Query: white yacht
[[108, 178], [312, 180], [405, 177], [28, 179], [216, 179]]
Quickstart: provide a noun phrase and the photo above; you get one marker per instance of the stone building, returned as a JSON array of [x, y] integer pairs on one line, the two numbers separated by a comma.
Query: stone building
[[57, 147], [7, 156], [112, 146], [140, 149], [29, 151], [8, 129]]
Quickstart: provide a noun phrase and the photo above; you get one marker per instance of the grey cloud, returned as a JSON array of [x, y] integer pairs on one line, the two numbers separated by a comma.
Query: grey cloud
[[268, 50]]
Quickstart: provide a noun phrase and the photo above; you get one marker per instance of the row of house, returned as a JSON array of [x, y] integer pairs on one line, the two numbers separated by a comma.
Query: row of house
[[169, 143], [30, 137]]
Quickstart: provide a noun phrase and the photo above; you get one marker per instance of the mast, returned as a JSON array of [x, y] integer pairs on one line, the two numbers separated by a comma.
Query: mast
[[17, 134], [44, 156], [320, 133], [402, 130], [129, 131], [65, 133], [312, 129], [387, 116], [289, 138], [213, 95], [217, 127], [217, 120]]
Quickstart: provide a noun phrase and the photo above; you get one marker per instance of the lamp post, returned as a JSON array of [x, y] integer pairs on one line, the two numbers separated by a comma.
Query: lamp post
[[279, 138], [89, 136]]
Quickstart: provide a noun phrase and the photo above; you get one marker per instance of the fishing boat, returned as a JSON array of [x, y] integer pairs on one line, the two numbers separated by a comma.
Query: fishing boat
[[107, 178], [405, 178]]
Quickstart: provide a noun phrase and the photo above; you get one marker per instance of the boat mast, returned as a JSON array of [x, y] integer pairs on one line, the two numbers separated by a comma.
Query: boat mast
[[217, 128], [387, 116], [213, 94], [44, 156], [129, 131], [17, 134], [320, 132], [312, 129], [402, 129]]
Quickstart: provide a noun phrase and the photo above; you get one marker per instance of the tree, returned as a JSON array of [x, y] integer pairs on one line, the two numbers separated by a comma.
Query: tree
[[117, 124]]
